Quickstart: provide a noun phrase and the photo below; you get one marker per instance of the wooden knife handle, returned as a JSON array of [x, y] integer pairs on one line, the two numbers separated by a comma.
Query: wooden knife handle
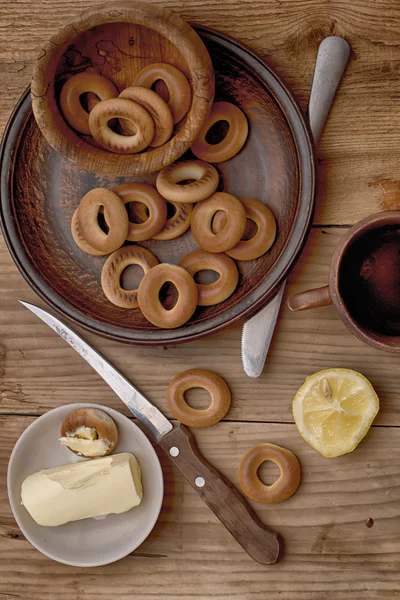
[[231, 508]]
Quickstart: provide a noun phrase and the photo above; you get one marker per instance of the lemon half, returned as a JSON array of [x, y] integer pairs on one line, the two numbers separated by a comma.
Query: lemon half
[[334, 409]]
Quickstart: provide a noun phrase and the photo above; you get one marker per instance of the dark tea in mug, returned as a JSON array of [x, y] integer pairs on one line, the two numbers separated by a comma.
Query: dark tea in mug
[[369, 280]]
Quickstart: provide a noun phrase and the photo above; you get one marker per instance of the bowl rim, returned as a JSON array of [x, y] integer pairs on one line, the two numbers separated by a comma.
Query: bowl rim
[[65, 140], [256, 299], [113, 414]]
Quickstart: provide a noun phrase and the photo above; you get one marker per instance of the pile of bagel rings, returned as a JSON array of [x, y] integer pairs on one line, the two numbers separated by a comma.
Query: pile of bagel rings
[[217, 219], [130, 121], [127, 123]]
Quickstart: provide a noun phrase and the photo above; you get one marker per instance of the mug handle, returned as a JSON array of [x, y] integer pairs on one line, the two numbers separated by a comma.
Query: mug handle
[[310, 299]]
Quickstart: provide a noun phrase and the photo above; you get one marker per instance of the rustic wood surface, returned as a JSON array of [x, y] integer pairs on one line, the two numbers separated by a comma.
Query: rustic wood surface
[[329, 551], [259, 541]]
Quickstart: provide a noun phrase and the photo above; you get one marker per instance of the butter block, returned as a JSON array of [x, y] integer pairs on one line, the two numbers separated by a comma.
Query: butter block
[[93, 488]]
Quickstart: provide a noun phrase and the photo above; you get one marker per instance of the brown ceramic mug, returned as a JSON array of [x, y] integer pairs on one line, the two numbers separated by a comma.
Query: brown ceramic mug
[[364, 282]]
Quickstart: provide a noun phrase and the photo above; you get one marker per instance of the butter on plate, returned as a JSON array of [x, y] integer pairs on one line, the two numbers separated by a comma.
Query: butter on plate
[[84, 441], [83, 490]]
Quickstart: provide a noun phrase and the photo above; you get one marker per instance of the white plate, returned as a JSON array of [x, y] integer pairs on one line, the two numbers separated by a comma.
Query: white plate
[[90, 542]]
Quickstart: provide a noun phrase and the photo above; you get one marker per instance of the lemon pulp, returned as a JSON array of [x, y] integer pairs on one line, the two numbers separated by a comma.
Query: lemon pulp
[[334, 409]]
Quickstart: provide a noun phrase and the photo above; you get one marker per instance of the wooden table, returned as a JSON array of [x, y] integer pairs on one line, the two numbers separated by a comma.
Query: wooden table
[[329, 553]]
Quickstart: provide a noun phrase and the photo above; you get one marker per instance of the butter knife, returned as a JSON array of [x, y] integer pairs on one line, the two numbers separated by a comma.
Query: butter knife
[[333, 55], [179, 443]]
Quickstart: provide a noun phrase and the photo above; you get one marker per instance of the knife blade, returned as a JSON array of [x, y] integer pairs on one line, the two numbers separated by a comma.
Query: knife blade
[[224, 499], [140, 407], [333, 55], [254, 346]]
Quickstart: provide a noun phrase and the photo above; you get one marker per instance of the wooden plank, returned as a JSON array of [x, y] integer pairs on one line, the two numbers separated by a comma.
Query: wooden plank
[[359, 152], [329, 551], [40, 371]]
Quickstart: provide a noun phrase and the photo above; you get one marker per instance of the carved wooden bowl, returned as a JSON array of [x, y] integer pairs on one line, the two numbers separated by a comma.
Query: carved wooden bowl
[[40, 191], [117, 40]]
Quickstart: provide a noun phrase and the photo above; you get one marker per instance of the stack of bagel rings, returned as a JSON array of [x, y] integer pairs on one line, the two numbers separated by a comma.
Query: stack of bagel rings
[[185, 196], [132, 120]]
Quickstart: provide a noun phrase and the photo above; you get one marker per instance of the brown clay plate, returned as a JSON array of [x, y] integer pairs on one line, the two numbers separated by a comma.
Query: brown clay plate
[[40, 191]]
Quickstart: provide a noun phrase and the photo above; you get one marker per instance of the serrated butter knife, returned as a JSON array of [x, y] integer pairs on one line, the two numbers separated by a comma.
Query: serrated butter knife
[[332, 58], [226, 502]]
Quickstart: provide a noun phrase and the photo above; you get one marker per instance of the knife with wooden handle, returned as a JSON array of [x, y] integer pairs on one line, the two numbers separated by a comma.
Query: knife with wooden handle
[[227, 503], [332, 58]]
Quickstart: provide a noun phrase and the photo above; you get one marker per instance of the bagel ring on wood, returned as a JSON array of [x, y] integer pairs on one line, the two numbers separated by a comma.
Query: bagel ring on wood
[[286, 484], [205, 182], [264, 237], [80, 240], [121, 108], [71, 92], [202, 220], [149, 300], [115, 216], [113, 268], [180, 95], [174, 226], [158, 110], [208, 380], [233, 141], [223, 287], [155, 204]]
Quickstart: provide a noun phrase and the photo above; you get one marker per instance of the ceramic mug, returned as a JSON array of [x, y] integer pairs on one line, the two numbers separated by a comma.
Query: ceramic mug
[[364, 282]]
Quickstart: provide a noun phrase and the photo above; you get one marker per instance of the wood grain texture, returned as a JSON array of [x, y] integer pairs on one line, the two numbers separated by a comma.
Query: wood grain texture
[[40, 371], [329, 551], [359, 147], [226, 501]]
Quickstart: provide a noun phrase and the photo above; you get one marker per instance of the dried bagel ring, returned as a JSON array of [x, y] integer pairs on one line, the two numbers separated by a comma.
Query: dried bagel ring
[[112, 271], [71, 92], [208, 380], [158, 110], [174, 226], [202, 219], [264, 237], [80, 240], [178, 86], [121, 108], [92, 100], [234, 140], [149, 197], [89, 432], [115, 216], [286, 484], [149, 301], [205, 182], [223, 287]]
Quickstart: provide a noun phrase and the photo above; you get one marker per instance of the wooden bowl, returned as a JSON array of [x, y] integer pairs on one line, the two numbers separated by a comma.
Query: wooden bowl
[[40, 191], [117, 41]]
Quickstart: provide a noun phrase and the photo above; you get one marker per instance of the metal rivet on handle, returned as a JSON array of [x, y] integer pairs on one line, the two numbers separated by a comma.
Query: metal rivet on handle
[[174, 451], [200, 481]]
